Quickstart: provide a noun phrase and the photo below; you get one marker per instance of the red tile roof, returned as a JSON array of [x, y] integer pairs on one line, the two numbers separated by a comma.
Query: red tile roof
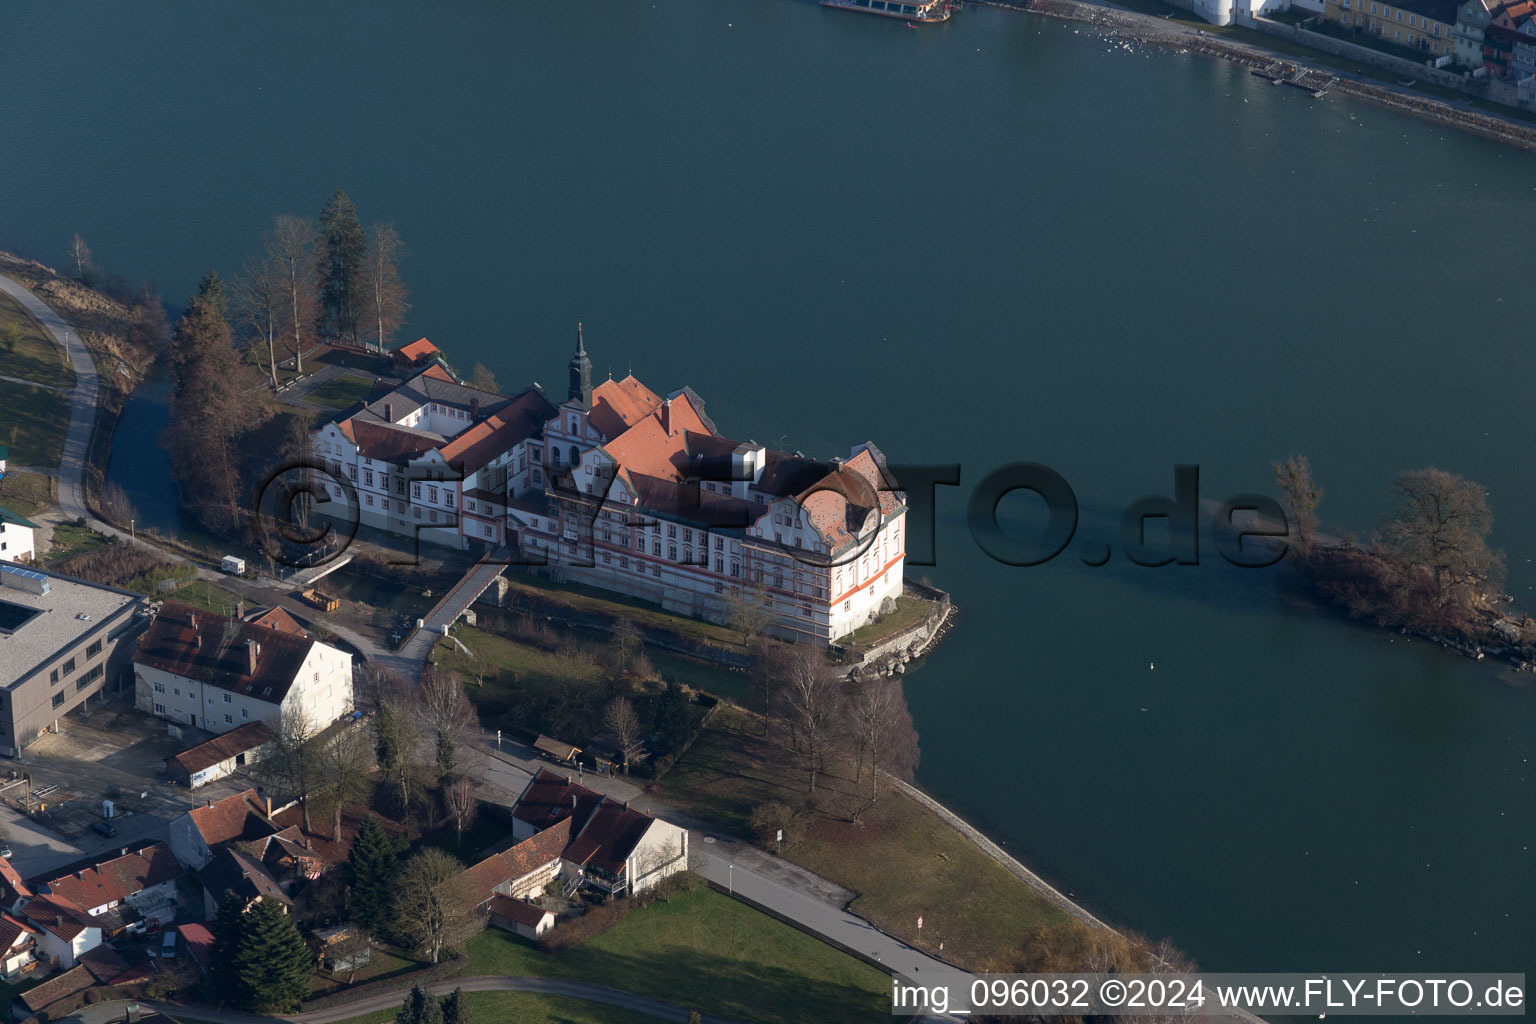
[[387, 443], [212, 649], [521, 911], [60, 986], [421, 348], [516, 422], [115, 880], [278, 618], [440, 372], [242, 816], [222, 747], [609, 837], [519, 861], [618, 405], [58, 916], [12, 931], [11, 885], [549, 798]]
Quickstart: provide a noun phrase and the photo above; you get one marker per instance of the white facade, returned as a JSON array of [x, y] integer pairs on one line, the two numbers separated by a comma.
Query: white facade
[[16, 542], [67, 951], [661, 853], [321, 689]]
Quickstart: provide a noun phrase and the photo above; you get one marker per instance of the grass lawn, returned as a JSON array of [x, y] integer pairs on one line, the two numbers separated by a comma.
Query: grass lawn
[[901, 860], [536, 589], [27, 351], [33, 423], [203, 594], [382, 963], [27, 494], [69, 539], [342, 391], [703, 950], [909, 612]]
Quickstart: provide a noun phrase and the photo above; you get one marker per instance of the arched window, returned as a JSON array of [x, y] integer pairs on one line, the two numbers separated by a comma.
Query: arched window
[[672, 552], [575, 457], [688, 556], [735, 568]]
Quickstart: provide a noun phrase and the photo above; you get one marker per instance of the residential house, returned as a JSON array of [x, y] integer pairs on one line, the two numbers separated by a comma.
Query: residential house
[[417, 354], [196, 835], [1472, 19], [233, 870], [13, 891], [219, 673], [1508, 50], [18, 947], [608, 844], [143, 879], [1425, 25], [60, 992], [277, 617], [64, 930], [60, 640], [16, 537], [223, 755]]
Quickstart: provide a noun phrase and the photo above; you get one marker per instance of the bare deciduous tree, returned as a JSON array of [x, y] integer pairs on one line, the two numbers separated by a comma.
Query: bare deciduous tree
[[808, 698], [881, 728], [1299, 496], [747, 611], [620, 716], [627, 644], [290, 246], [291, 764], [447, 713], [462, 802], [260, 306], [1441, 531], [430, 895], [345, 761], [386, 292], [81, 254]]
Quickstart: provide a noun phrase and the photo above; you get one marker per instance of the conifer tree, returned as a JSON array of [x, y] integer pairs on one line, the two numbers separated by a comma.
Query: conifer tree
[[415, 1010], [456, 1008], [340, 255], [223, 985], [272, 963], [372, 865]]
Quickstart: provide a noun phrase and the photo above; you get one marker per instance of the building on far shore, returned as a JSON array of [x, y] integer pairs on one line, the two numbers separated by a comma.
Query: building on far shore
[[60, 642], [621, 488], [1425, 25]]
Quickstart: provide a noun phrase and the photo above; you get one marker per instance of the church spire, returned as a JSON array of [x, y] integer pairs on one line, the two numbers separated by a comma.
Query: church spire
[[581, 373]]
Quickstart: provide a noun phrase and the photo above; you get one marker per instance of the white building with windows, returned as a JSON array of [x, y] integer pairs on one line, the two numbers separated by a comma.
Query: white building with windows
[[623, 489], [218, 673]]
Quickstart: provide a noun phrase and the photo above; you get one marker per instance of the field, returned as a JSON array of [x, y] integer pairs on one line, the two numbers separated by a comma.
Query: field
[[69, 539], [705, 951], [27, 351], [901, 860], [909, 612], [34, 423], [203, 594], [517, 1008], [342, 392], [27, 494], [537, 591]]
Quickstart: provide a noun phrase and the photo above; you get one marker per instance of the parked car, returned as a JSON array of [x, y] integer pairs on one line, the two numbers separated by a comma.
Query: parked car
[[104, 828]]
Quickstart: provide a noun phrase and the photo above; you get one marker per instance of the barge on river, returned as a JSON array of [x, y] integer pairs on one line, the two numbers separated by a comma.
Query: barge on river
[[909, 10]]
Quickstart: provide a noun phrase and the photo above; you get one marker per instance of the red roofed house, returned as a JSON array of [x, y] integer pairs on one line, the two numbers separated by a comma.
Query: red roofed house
[[220, 673], [143, 879], [64, 931], [605, 843], [197, 835], [624, 489], [198, 941], [18, 947], [417, 354], [277, 617], [223, 755]]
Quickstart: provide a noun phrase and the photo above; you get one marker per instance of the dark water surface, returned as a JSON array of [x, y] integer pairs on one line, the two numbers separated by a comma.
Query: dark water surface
[[994, 240]]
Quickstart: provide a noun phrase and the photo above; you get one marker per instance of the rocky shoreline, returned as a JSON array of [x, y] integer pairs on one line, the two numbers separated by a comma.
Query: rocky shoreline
[[1153, 31]]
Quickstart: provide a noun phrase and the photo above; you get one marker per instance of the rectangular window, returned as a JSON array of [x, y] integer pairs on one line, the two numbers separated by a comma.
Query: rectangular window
[[244, 713], [487, 531], [227, 700], [53, 677], [399, 485], [69, 667], [93, 650], [415, 490], [432, 494], [229, 719], [58, 699], [159, 687], [159, 709], [368, 477]]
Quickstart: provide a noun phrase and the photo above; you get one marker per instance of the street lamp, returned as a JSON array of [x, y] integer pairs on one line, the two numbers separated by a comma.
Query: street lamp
[[730, 879], [131, 535]]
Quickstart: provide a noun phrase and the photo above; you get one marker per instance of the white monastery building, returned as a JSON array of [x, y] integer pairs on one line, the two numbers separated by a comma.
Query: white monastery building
[[620, 488]]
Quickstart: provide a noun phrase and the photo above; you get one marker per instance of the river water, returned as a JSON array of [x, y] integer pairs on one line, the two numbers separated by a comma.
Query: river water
[[997, 240]]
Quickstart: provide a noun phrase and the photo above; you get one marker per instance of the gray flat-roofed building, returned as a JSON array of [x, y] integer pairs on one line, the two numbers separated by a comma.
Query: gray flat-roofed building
[[58, 638]]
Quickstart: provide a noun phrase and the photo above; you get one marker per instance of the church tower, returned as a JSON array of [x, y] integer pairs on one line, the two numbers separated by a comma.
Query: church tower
[[581, 373]]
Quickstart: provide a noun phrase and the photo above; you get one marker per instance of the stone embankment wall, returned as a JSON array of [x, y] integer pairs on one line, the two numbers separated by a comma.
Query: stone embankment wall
[[893, 655]]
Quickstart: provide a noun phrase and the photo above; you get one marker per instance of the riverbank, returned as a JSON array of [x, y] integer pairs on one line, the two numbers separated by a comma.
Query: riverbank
[[1150, 30]]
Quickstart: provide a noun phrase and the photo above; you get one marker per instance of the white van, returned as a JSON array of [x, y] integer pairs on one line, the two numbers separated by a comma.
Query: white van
[[232, 565]]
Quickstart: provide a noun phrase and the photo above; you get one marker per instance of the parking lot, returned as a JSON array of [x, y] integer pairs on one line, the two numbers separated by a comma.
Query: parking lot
[[116, 753]]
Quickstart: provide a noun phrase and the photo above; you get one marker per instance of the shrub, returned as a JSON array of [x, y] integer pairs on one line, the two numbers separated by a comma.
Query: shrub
[[595, 921], [768, 818]]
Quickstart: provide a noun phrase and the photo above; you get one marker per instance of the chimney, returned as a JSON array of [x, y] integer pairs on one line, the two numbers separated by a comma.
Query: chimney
[[666, 417], [197, 641], [58, 920], [240, 609], [252, 648], [573, 801], [209, 803], [192, 620], [269, 806], [474, 410], [389, 411], [123, 852]]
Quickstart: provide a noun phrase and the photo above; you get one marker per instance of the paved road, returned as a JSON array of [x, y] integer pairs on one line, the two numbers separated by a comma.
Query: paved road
[[108, 1013], [82, 400]]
